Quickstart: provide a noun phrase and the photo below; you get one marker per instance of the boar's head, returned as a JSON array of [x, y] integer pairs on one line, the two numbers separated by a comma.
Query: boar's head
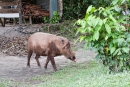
[[67, 52]]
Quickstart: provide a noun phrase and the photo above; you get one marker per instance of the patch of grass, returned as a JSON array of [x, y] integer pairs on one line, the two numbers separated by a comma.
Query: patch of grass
[[8, 83], [87, 74], [74, 75]]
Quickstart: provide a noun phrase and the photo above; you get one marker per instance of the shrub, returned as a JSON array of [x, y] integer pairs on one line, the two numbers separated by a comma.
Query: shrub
[[103, 30], [53, 20]]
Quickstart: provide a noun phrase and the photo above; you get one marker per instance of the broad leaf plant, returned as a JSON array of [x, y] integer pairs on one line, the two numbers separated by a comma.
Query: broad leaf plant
[[107, 31]]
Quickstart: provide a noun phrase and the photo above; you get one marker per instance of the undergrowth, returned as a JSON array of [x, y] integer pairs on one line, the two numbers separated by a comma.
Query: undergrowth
[[66, 29]]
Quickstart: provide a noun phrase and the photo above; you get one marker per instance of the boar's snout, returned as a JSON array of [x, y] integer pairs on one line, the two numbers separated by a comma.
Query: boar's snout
[[73, 58]]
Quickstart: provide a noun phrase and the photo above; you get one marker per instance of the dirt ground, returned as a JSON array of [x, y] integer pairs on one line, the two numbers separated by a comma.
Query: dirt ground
[[13, 60]]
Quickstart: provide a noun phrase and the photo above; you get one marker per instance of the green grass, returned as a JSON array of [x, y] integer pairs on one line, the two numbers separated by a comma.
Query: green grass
[[8, 83], [87, 74]]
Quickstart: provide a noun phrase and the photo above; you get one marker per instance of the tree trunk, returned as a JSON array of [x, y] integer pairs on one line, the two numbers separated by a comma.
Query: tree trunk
[[60, 8], [20, 14]]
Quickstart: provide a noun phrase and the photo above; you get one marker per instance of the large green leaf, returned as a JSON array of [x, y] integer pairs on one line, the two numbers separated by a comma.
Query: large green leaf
[[108, 29], [100, 22], [112, 50], [126, 49], [89, 9], [120, 41], [89, 20], [96, 35], [128, 39], [106, 37], [112, 18], [104, 20], [117, 51], [83, 23], [114, 2], [95, 22]]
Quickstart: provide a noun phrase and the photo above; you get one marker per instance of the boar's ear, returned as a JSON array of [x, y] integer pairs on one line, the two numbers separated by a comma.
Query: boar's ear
[[63, 43]]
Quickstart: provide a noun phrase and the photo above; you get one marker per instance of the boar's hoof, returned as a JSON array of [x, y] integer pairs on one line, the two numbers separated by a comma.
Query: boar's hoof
[[55, 70], [28, 66]]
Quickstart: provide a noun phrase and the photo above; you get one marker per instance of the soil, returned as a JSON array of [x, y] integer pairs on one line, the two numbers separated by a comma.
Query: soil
[[13, 53]]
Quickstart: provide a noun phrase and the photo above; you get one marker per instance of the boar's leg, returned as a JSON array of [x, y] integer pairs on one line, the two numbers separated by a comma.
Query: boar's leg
[[37, 59], [29, 56], [53, 63], [47, 61]]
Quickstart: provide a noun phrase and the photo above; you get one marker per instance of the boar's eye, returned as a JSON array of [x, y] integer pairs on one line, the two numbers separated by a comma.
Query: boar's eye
[[63, 41]]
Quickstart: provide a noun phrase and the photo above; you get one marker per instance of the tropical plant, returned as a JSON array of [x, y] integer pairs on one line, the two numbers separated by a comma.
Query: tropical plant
[[103, 30], [53, 20]]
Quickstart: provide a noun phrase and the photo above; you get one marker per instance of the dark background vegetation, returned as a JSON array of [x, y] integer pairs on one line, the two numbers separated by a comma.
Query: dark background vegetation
[[74, 9]]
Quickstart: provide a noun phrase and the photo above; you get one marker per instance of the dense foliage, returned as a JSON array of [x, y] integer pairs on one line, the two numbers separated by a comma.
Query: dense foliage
[[107, 31], [77, 8]]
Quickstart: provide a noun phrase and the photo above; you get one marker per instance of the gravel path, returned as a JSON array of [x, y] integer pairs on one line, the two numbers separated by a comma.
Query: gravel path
[[14, 67]]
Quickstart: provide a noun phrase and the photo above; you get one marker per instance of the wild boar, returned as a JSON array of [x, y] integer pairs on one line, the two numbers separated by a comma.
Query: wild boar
[[45, 44]]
